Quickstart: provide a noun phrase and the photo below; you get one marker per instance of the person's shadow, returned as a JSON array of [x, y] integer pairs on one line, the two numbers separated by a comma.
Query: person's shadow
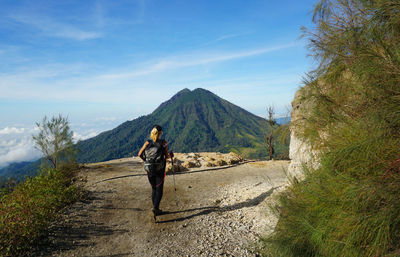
[[209, 209]]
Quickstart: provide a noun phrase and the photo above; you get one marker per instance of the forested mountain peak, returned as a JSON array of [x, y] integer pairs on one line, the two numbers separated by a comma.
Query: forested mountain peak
[[173, 98], [192, 121]]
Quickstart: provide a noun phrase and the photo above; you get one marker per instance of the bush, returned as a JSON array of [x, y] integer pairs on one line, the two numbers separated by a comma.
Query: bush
[[350, 205], [26, 212]]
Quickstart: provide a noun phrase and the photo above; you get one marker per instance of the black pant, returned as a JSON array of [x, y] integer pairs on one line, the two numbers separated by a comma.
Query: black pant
[[157, 184]]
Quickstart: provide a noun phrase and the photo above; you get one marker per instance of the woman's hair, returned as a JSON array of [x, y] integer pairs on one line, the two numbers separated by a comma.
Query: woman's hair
[[155, 134]]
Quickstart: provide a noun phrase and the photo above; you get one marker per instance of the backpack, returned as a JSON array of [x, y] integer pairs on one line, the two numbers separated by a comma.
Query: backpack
[[154, 156]]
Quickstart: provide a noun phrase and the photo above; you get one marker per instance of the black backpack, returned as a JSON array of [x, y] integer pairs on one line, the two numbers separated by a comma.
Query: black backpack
[[154, 156]]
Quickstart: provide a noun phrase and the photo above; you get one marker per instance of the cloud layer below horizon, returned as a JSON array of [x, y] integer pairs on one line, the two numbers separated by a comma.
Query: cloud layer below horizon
[[16, 144]]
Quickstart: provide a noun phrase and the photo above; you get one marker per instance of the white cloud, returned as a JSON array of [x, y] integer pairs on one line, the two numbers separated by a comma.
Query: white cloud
[[76, 137], [55, 29], [11, 130], [106, 119], [6, 143], [194, 59], [124, 85], [16, 144], [225, 37], [17, 150], [93, 127]]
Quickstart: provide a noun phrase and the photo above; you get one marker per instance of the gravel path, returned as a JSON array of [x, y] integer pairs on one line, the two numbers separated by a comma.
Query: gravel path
[[219, 213]]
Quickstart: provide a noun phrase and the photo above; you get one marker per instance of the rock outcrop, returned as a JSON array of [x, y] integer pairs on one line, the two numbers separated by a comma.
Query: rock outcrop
[[301, 153], [186, 161]]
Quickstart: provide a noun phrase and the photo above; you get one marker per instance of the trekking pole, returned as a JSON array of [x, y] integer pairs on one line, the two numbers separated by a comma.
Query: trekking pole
[[173, 176]]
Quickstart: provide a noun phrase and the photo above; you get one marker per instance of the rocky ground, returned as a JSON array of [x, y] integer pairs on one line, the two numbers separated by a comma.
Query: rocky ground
[[217, 211], [202, 160]]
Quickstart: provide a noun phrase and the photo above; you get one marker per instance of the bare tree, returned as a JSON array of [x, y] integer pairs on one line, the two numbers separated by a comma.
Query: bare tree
[[55, 140]]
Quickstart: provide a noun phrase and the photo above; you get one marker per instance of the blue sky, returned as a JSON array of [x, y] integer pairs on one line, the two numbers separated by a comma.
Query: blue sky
[[103, 62]]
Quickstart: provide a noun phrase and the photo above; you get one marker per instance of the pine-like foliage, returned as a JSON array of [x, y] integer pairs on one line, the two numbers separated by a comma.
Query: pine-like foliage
[[55, 140], [350, 205]]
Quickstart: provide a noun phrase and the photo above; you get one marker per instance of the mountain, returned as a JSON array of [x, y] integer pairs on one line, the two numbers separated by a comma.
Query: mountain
[[19, 170], [283, 120], [192, 121]]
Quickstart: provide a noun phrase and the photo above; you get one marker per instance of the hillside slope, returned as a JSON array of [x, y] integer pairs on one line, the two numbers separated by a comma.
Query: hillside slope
[[19, 171], [347, 116]]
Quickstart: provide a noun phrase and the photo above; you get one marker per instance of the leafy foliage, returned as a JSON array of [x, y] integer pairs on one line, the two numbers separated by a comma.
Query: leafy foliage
[[350, 205], [26, 212], [192, 121]]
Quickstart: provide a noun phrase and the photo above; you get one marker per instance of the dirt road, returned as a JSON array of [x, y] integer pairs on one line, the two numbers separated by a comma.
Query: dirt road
[[220, 212]]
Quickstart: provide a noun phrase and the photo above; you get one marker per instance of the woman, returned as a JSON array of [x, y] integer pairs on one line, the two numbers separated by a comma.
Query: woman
[[154, 153]]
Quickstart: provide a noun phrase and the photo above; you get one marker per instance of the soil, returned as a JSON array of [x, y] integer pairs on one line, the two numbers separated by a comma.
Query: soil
[[213, 212]]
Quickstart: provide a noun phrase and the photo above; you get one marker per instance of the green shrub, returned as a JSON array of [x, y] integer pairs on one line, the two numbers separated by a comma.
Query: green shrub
[[350, 205], [26, 212]]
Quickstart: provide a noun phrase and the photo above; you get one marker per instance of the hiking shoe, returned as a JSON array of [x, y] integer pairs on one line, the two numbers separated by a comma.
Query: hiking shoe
[[157, 212], [154, 214]]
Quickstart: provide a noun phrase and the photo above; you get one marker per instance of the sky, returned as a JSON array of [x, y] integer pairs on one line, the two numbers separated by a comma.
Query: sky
[[101, 62]]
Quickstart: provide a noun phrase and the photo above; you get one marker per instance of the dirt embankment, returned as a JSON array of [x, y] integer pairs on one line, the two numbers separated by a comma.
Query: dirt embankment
[[214, 212]]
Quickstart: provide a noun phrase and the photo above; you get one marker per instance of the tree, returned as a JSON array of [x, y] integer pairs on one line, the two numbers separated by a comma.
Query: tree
[[55, 140], [269, 139]]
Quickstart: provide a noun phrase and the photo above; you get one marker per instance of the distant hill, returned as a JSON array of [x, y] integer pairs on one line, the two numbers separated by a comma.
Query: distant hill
[[283, 120], [19, 170], [192, 121]]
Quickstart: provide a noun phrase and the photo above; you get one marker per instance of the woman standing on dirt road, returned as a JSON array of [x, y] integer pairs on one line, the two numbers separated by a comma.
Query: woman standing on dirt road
[[154, 153]]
